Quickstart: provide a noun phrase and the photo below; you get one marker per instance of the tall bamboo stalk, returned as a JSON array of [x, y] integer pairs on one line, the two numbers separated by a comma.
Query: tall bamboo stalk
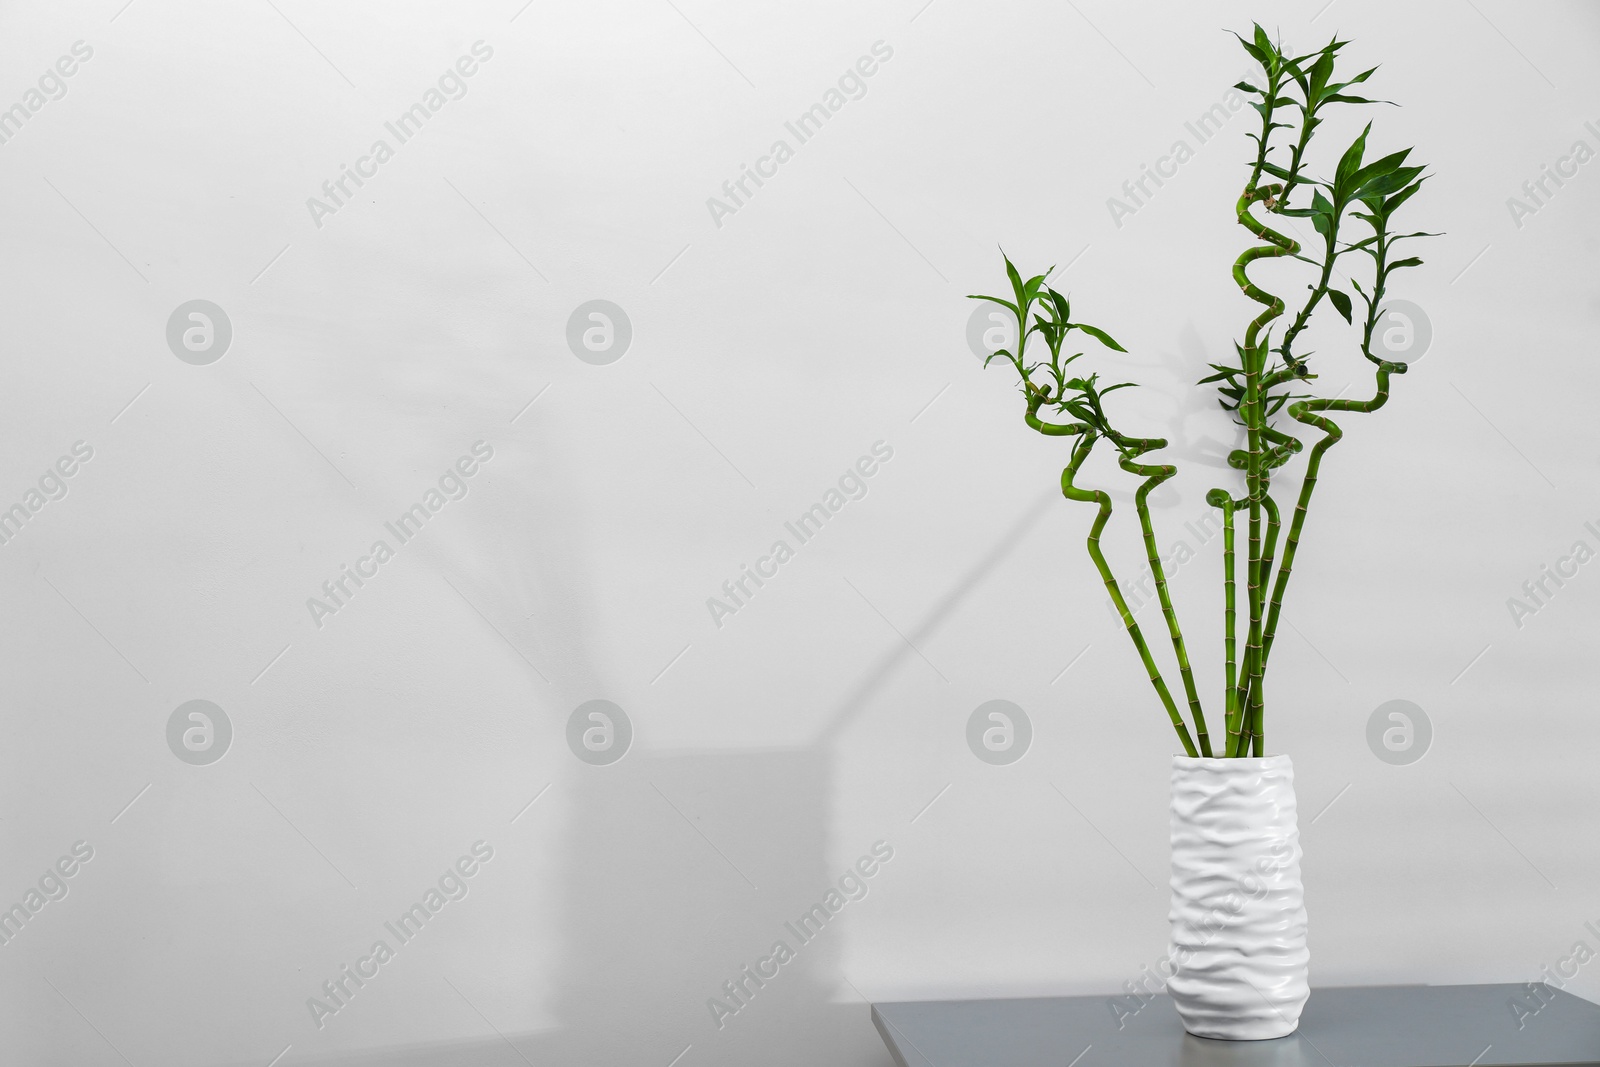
[[1252, 413], [1245, 723]]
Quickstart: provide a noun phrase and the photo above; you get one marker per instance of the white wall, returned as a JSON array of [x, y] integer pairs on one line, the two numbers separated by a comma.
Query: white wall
[[768, 354]]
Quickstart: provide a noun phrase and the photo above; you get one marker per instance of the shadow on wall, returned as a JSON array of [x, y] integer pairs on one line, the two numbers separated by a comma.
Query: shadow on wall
[[682, 869], [657, 918]]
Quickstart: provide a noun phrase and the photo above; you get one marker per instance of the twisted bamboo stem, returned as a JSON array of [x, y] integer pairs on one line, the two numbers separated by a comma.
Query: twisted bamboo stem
[[1153, 475], [1253, 402], [1103, 499], [1252, 410]]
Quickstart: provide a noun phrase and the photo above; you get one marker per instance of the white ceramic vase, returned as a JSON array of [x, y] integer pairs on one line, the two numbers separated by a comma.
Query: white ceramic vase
[[1238, 948]]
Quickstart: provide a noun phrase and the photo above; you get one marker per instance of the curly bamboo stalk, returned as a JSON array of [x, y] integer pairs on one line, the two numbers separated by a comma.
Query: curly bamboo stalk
[[1154, 474], [1283, 445], [1103, 499], [1270, 548], [1036, 398], [1252, 404], [1277, 245]]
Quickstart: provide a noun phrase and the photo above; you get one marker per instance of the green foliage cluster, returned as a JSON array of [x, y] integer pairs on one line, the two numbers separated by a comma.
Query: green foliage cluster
[[1261, 389]]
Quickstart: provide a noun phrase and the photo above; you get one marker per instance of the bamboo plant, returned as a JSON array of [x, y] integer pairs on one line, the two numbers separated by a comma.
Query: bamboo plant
[[1266, 383]]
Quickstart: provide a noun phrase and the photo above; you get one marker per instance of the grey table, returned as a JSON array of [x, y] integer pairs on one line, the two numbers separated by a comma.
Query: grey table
[[1358, 1026]]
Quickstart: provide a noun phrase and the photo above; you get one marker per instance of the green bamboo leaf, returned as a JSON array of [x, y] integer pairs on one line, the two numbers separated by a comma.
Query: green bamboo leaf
[[1326, 214], [1062, 306], [1401, 197], [994, 300], [1016, 281], [1263, 42], [1358, 79], [1321, 70], [1381, 187], [1411, 261], [1383, 165], [1382, 177], [1350, 162], [1099, 335], [1340, 302]]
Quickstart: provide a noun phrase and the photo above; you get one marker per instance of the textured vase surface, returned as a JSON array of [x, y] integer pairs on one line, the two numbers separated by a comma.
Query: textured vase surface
[[1238, 916]]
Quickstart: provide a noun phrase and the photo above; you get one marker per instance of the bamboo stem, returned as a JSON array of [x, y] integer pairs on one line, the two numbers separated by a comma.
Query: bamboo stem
[[1258, 672], [1219, 498], [1253, 565], [1103, 499], [1252, 403], [1154, 475]]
